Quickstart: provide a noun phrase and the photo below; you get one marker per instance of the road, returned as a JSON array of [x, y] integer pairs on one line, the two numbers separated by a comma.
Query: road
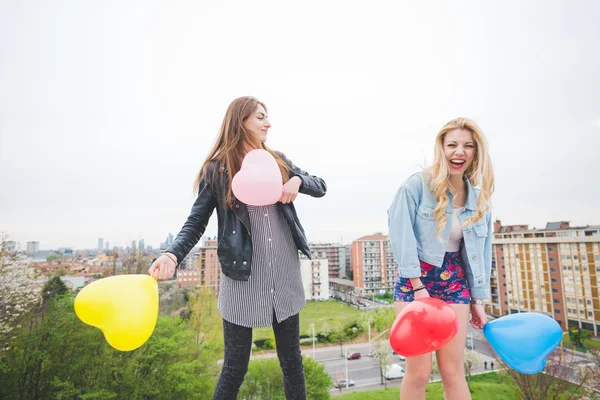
[[365, 371]]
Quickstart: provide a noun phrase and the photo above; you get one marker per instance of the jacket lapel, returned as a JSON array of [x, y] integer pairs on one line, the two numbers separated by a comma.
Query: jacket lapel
[[241, 211]]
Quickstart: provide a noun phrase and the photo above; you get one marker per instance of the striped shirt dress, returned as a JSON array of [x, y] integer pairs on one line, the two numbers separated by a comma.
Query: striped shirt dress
[[275, 283]]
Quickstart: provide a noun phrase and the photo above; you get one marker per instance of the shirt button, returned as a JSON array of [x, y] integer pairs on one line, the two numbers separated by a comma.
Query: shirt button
[[234, 262], [233, 232], [244, 263], [272, 290], [269, 239], [474, 256], [266, 215], [469, 231], [237, 206]]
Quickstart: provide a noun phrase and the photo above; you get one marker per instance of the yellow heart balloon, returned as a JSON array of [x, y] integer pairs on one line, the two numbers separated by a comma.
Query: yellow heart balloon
[[124, 307]]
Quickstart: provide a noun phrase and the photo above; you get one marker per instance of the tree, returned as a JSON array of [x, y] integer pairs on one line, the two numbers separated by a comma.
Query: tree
[[590, 373], [53, 257], [20, 286], [53, 288], [338, 335], [205, 319], [384, 355], [471, 360], [264, 380], [579, 336], [551, 384], [62, 358]]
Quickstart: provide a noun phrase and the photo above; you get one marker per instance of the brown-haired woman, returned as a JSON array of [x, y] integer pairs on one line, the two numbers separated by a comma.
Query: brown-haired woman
[[261, 283]]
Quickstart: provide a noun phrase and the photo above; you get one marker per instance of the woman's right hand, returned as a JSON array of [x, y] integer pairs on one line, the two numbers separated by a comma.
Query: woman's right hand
[[421, 294], [162, 268]]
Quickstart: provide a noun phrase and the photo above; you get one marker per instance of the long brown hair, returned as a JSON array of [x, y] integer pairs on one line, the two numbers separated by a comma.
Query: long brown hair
[[479, 173], [230, 147]]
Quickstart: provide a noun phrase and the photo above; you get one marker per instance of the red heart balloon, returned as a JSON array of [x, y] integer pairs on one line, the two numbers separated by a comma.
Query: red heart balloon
[[423, 326]]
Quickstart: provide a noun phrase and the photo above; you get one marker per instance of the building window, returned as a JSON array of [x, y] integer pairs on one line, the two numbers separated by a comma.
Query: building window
[[556, 311], [551, 259], [556, 301], [552, 269], [554, 290], [554, 280]]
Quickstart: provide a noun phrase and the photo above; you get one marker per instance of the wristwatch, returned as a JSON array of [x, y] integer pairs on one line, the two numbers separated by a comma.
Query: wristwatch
[[477, 301]]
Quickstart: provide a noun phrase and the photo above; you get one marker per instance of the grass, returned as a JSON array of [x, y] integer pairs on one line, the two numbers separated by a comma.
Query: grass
[[484, 387], [590, 343], [490, 386], [319, 313]]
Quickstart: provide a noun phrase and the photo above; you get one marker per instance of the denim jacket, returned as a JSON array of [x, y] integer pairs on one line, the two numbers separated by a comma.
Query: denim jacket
[[413, 234]]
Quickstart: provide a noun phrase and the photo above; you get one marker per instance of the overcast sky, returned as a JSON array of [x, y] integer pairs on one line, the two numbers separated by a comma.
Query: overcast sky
[[108, 108]]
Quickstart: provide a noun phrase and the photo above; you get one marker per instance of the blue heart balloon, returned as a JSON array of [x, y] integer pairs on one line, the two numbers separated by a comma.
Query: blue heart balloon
[[524, 340]]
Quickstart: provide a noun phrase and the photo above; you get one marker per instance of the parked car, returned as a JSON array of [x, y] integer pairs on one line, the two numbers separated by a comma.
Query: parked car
[[342, 383], [394, 371], [354, 356]]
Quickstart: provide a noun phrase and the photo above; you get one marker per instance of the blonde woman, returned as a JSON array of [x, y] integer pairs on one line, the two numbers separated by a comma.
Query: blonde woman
[[441, 234]]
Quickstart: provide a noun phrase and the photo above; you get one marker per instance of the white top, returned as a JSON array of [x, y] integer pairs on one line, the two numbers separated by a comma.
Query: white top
[[456, 233]]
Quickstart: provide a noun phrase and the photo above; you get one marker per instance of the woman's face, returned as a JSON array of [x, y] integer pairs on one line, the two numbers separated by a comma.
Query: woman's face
[[258, 124], [459, 148]]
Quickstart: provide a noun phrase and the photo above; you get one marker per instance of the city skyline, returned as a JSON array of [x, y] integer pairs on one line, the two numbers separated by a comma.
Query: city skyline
[[106, 117]]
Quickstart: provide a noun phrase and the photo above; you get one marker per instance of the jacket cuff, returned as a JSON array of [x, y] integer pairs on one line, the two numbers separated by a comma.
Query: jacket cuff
[[410, 272], [480, 293]]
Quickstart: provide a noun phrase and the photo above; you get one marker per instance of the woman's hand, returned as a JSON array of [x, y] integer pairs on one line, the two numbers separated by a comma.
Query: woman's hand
[[162, 268], [290, 190], [478, 317]]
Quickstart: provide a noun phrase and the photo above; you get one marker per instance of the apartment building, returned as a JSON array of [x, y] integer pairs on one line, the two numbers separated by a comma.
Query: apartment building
[[373, 264], [337, 256], [555, 271]]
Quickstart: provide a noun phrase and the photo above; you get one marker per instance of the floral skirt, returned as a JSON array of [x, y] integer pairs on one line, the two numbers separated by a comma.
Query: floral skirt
[[447, 283]]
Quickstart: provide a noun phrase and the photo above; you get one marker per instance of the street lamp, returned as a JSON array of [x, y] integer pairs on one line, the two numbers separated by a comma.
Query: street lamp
[[313, 339], [347, 368], [370, 336]]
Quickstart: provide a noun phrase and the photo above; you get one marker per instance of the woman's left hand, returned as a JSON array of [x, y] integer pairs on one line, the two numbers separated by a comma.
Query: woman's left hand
[[478, 317], [290, 190]]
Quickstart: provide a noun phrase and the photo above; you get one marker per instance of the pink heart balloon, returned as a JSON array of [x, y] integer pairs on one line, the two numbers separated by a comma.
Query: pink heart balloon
[[258, 182]]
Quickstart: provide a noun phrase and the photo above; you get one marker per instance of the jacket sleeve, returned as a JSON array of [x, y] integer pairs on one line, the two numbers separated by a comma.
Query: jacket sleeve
[[401, 220], [311, 185], [194, 227], [483, 292]]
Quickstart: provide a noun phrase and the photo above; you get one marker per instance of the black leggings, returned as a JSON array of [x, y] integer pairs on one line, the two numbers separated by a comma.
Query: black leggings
[[238, 343]]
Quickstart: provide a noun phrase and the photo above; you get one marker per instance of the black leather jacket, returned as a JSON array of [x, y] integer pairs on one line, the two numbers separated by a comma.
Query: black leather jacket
[[234, 237]]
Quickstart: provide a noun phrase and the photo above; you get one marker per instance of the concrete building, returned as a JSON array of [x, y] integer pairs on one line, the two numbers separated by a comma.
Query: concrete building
[[555, 271], [337, 256], [315, 278], [33, 247], [373, 265]]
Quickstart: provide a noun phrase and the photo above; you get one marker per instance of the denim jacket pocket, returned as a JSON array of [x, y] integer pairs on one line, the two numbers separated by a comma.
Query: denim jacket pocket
[[481, 230], [425, 224]]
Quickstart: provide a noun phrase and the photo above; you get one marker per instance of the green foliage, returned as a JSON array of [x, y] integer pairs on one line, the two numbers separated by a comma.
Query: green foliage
[[54, 288], [205, 319], [485, 387], [579, 336], [264, 380], [53, 257], [60, 357], [323, 314], [386, 297]]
